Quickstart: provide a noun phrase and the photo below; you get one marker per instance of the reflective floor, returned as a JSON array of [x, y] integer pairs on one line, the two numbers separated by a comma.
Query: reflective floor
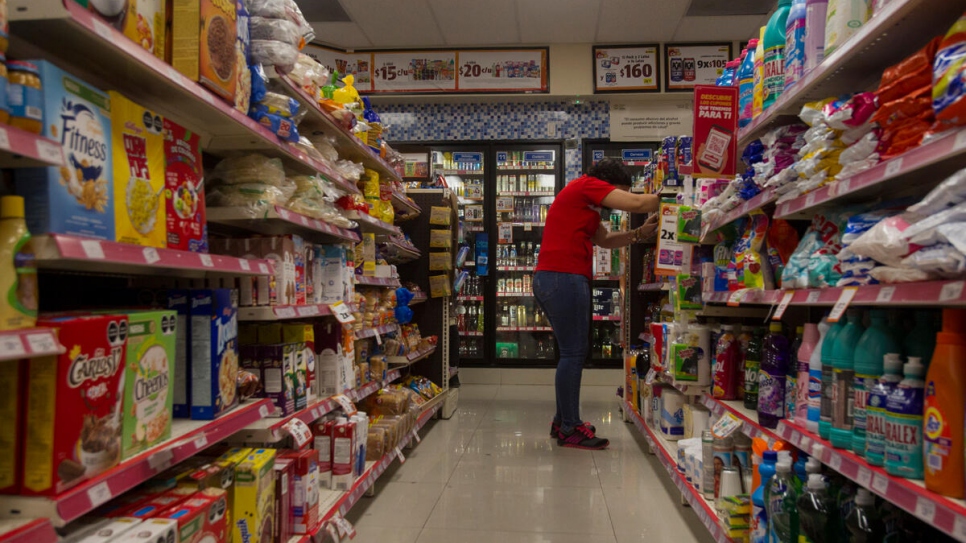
[[491, 474]]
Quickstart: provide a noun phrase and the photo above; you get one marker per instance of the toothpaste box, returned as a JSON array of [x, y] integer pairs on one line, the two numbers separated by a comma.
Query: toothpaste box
[[151, 354], [253, 518], [78, 197], [214, 352]]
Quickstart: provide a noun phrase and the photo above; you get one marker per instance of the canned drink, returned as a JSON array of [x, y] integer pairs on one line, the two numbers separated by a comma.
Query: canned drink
[[677, 69], [501, 285], [690, 72]]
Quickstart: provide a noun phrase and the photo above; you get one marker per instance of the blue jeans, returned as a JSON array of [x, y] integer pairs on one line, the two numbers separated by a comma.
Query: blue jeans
[[565, 298]]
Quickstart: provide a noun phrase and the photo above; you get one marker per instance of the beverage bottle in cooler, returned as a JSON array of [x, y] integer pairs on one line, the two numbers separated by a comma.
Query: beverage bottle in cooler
[[512, 255], [518, 285], [746, 84], [727, 359], [774, 60], [810, 343], [759, 510], [875, 343], [479, 319], [782, 503], [864, 522], [791, 378], [504, 315], [816, 512], [904, 423], [752, 366], [795, 27], [513, 316], [615, 303], [843, 363], [875, 415], [825, 407], [944, 407], [771, 377], [460, 317], [921, 340], [522, 315]]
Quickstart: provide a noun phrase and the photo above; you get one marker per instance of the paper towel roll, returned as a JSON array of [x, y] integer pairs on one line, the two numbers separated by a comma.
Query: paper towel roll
[[696, 419], [672, 414], [701, 335]]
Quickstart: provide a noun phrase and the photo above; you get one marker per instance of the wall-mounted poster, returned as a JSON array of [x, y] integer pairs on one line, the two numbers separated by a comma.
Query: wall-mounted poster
[[357, 64], [632, 68], [503, 70], [691, 64], [414, 71]]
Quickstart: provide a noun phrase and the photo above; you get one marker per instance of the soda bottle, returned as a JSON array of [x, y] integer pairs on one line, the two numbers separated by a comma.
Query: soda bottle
[[771, 378], [816, 512], [864, 522]]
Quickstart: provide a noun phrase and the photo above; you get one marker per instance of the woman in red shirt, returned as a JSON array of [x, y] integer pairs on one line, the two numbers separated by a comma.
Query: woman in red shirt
[[561, 283]]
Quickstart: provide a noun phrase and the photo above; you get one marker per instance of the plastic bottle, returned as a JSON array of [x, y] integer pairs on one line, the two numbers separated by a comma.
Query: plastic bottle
[[815, 11], [774, 61], [842, 491], [875, 343], [815, 378], [843, 19], [759, 513], [752, 367], [746, 84], [843, 363], [865, 523], [921, 340], [18, 271], [810, 338], [726, 362], [791, 378], [825, 413], [771, 378], [744, 335], [945, 401], [875, 438], [904, 423], [782, 502], [799, 469], [795, 27], [759, 93], [816, 512]]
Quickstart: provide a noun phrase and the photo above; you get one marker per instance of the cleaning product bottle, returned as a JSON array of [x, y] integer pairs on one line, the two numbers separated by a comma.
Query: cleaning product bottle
[[18, 269], [815, 378], [876, 341], [746, 84], [795, 28], [759, 92], [752, 367], [791, 378], [843, 362], [945, 402], [798, 468], [810, 341], [816, 512], [815, 11], [904, 423], [921, 340], [771, 378], [774, 61], [744, 335], [842, 491], [843, 19], [875, 438], [865, 523], [783, 504], [727, 360], [828, 373], [759, 511]]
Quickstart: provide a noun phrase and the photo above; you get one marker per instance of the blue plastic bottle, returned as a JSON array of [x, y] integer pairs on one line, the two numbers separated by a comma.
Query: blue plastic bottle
[[825, 408], [875, 343], [843, 362], [795, 43], [800, 470], [773, 67], [759, 513], [746, 84], [904, 423]]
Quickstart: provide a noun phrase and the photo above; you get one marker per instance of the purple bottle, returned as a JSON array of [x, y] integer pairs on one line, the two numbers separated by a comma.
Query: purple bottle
[[771, 378]]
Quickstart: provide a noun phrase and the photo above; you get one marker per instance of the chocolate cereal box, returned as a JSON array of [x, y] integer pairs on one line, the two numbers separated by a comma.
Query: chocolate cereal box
[[149, 377], [74, 404], [252, 515], [214, 352]]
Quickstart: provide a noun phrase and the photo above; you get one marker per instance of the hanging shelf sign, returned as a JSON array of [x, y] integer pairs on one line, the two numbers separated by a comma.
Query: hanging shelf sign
[[627, 69]]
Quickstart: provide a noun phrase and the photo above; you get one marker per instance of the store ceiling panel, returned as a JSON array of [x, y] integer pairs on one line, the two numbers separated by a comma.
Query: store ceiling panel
[[472, 22], [344, 35], [394, 23], [719, 28], [633, 21], [558, 21]]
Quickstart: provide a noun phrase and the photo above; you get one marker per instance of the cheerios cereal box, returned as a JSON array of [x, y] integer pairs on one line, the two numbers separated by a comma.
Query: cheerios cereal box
[[78, 197], [139, 209], [214, 352], [148, 376]]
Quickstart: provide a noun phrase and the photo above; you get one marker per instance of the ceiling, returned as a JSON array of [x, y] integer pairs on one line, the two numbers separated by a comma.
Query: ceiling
[[471, 23]]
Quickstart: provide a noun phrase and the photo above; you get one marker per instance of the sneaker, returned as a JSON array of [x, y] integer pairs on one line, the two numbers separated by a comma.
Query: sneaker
[[555, 428], [582, 437]]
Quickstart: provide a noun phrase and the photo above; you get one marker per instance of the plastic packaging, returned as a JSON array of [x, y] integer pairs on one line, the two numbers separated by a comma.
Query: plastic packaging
[[870, 351], [280, 30], [782, 499], [275, 53], [921, 340], [726, 365], [828, 375], [256, 197], [844, 18], [904, 423], [875, 436], [949, 77], [810, 344], [759, 514], [18, 282], [944, 401], [815, 11], [950, 193], [771, 377], [817, 512], [246, 169], [758, 93], [815, 378], [752, 367]]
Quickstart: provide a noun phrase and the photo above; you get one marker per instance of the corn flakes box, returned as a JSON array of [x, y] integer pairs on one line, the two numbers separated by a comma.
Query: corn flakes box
[[138, 173], [203, 35], [214, 352], [77, 198], [74, 404], [184, 190], [149, 376]]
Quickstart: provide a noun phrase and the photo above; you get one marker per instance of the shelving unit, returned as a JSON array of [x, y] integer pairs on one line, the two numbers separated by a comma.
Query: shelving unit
[[278, 221], [38, 530], [22, 149], [931, 293], [28, 343]]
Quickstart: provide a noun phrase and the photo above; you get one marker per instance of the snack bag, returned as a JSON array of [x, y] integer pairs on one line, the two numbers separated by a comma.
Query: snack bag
[[822, 262], [750, 272], [347, 94], [949, 76]]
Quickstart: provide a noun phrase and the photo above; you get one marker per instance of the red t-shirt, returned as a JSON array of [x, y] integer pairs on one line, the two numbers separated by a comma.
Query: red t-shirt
[[572, 221]]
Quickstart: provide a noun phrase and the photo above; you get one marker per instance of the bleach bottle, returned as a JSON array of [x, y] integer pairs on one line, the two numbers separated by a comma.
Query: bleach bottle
[[746, 84], [945, 404], [815, 379], [795, 28], [828, 372], [758, 94], [759, 513], [791, 378], [869, 354], [810, 343], [773, 65], [875, 413], [904, 423], [843, 362], [921, 340]]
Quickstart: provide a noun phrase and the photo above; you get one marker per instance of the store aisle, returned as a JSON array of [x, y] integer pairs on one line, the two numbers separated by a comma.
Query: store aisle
[[492, 474]]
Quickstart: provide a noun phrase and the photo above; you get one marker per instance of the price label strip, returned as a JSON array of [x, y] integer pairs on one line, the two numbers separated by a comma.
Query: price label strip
[[346, 404], [47, 151], [783, 305], [11, 347], [842, 304], [299, 431], [342, 312], [726, 425]]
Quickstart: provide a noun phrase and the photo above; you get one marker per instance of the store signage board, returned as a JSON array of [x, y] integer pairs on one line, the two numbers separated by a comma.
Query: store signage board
[[633, 121], [414, 71], [538, 156], [634, 68], [503, 70], [357, 64], [474, 158], [715, 131], [635, 155], [690, 65]]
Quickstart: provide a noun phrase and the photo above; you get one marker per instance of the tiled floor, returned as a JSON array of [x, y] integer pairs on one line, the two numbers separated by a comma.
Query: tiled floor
[[491, 474]]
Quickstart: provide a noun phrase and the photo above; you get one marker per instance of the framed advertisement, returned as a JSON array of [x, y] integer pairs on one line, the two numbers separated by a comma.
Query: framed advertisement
[[414, 71], [690, 64], [503, 70], [627, 68]]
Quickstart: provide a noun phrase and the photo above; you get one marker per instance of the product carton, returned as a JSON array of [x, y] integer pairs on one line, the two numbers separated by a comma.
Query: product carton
[[179, 302], [156, 529], [279, 289], [343, 447], [142, 21], [74, 402], [278, 376], [139, 210], [104, 532], [284, 494], [159, 504], [12, 378], [305, 498], [253, 511], [336, 281], [148, 398], [77, 198], [184, 190], [203, 34], [304, 334], [322, 444], [202, 518], [214, 352]]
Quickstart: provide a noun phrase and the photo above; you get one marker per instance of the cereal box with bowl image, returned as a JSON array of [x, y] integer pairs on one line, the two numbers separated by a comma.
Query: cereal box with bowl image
[[203, 34], [74, 404], [149, 379], [138, 173], [141, 20], [78, 197], [214, 352], [184, 190]]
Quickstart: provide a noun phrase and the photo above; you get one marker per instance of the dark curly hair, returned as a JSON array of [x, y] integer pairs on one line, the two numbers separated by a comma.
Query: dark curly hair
[[611, 170]]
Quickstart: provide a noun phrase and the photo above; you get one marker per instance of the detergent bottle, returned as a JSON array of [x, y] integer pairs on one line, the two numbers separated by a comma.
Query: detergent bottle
[[810, 342], [759, 510], [843, 362], [904, 423], [18, 269], [791, 378], [773, 66], [945, 401], [746, 84], [795, 28], [816, 512], [815, 378], [759, 92], [771, 378], [921, 340], [828, 372], [876, 341], [875, 414]]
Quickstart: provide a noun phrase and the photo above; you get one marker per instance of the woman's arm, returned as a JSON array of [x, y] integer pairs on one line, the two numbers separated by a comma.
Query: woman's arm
[[613, 240], [630, 202]]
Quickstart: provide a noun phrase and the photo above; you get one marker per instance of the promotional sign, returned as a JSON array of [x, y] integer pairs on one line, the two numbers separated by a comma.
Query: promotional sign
[[357, 64], [689, 65], [414, 71], [649, 121], [673, 257], [715, 131], [473, 158], [502, 70], [636, 157], [627, 68]]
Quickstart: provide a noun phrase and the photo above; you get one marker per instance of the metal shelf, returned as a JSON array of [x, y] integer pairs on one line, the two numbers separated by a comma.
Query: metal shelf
[[28, 343], [930, 293], [366, 280], [278, 221]]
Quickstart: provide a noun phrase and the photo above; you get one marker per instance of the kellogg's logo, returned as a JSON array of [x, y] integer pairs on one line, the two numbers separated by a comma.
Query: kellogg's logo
[[101, 365]]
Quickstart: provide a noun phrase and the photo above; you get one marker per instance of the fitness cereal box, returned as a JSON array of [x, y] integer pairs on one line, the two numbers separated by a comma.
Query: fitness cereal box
[[184, 190], [214, 352], [148, 398], [74, 404], [78, 197], [138, 173]]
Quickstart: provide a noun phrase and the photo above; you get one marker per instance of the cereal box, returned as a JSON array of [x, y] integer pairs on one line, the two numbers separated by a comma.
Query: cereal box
[[203, 518], [253, 511], [284, 494], [141, 20], [138, 173], [178, 301], [148, 398], [151, 531], [214, 352], [105, 531], [304, 334], [12, 373], [305, 499], [184, 190], [278, 376], [74, 400], [78, 198], [205, 52]]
